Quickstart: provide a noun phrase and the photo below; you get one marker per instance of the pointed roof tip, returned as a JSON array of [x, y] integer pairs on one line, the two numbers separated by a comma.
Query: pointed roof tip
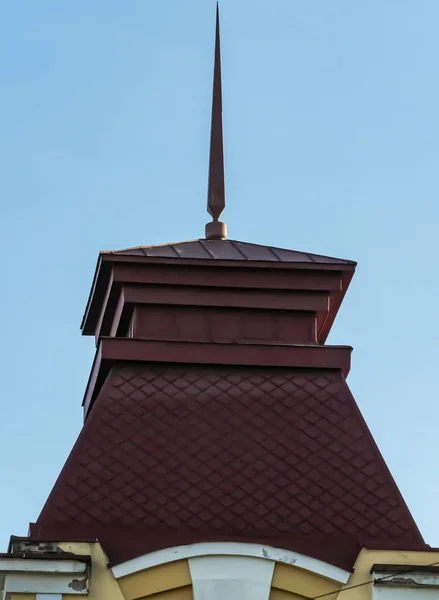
[[216, 200]]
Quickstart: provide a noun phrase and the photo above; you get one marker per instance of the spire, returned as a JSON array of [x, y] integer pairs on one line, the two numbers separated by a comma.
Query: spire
[[216, 197]]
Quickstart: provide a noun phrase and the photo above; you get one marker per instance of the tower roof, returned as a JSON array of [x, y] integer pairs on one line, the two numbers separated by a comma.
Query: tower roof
[[174, 455], [228, 250], [214, 409], [221, 255]]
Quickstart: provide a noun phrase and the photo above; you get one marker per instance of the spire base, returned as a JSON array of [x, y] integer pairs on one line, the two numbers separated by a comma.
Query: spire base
[[215, 230]]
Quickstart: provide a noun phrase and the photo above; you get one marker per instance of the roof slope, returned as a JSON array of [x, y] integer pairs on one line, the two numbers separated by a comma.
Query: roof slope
[[171, 455], [227, 250]]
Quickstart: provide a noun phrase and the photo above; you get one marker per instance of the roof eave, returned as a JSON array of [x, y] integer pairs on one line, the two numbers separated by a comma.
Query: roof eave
[[316, 266], [105, 260], [336, 301], [98, 287]]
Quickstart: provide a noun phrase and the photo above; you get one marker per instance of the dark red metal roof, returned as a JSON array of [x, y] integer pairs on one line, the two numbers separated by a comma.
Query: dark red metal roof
[[174, 454], [227, 250], [216, 256]]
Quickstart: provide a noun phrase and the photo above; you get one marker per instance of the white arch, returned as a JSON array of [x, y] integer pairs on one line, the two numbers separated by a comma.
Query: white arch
[[230, 549]]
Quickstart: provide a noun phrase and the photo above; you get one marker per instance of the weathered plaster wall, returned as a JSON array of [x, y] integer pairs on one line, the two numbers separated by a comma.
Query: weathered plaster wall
[[367, 558], [283, 595], [103, 586], [301, 582], [177, 594], [173, 581], [173, 578]]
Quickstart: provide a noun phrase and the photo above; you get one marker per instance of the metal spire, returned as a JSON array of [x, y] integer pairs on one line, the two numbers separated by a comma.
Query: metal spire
[[216, 197]]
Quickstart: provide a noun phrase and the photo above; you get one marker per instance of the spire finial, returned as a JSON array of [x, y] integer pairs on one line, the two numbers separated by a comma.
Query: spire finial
[[216, 197]]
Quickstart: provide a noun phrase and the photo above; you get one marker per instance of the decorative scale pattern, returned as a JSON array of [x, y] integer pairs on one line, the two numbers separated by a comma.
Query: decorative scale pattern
[[230, 451]]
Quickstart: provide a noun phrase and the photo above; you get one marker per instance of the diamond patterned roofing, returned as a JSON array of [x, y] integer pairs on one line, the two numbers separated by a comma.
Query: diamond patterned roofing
[[179, 454]]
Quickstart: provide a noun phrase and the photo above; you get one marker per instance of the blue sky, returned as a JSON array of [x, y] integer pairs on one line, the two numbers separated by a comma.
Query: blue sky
[[331, 126]]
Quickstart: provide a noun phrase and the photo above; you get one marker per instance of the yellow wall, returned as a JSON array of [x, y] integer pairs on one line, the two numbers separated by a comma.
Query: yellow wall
[[103, 585], [171, 578], [184, 593], [283, 595], [367, 558], [298, 583], [172, 581]]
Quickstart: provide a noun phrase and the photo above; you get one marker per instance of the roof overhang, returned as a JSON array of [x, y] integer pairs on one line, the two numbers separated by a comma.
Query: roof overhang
[[250, 274], [116, 350]]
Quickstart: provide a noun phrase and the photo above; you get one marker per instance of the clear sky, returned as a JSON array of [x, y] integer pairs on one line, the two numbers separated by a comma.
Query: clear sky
[[331, 126]]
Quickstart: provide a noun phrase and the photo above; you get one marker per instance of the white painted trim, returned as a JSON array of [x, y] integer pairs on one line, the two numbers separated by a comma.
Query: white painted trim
[[410, 579], [35, 565], [231, 577], [38, 583], [168, 555], [404, 593]]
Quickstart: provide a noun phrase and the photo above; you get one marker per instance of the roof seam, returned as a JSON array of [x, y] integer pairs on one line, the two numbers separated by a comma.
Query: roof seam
[[228, 250], [175, 250], [206, 248], [272, 250], [236, 246]]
